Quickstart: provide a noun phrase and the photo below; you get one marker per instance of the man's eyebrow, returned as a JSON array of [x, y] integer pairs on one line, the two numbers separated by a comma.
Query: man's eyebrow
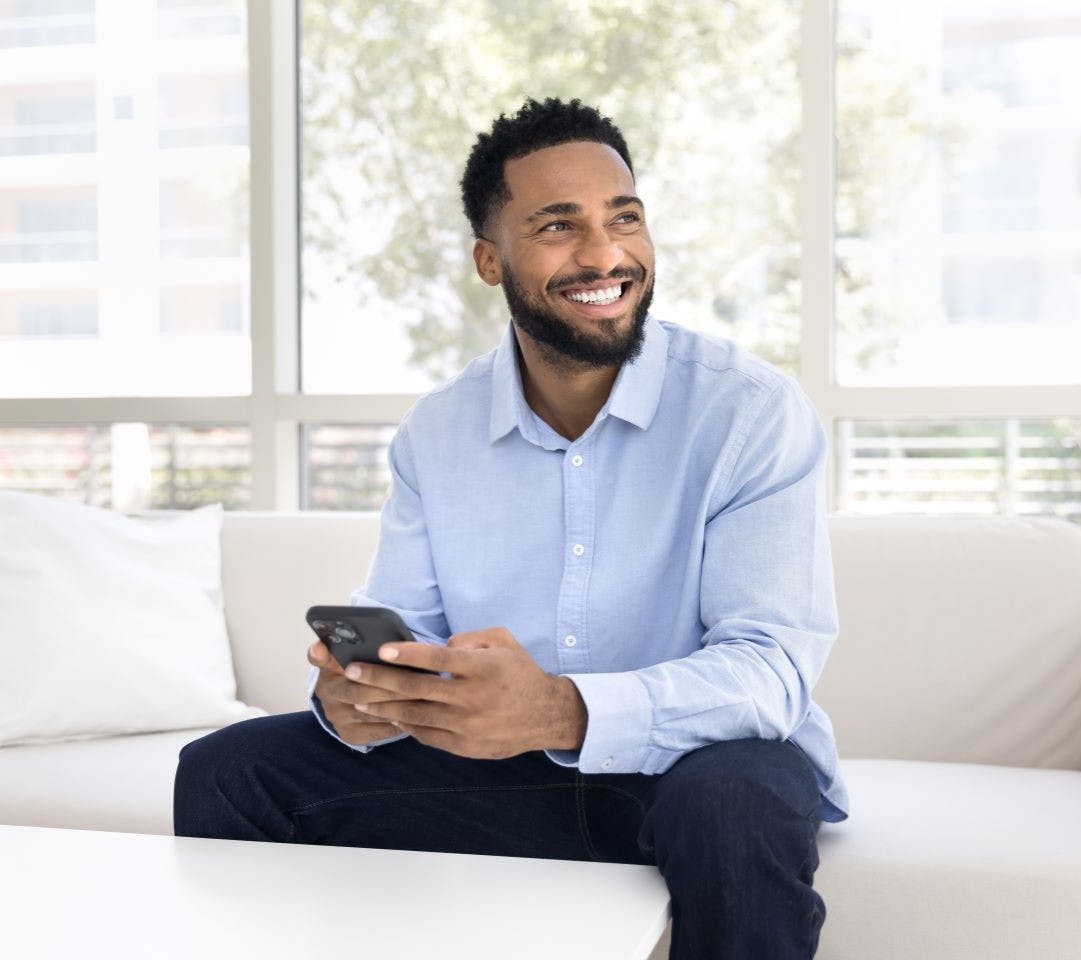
[[573, 209], [555, 210]]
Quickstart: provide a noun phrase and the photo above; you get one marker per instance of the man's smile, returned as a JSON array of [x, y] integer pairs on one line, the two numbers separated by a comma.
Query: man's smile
[[598, 297], [602, 300], [600, 294]]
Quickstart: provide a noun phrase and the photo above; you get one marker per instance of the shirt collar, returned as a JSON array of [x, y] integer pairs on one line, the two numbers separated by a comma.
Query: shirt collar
[[635, 394]]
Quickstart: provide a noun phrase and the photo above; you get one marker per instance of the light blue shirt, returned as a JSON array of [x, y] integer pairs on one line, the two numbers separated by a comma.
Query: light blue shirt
[[673, 561]]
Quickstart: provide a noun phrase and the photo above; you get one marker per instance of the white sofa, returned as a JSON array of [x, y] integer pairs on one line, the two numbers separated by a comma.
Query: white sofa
[[954, 688]]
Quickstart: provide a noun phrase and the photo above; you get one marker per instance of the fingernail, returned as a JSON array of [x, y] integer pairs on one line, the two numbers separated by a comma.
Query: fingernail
[[388, 653], [362, 707], [352, 672]]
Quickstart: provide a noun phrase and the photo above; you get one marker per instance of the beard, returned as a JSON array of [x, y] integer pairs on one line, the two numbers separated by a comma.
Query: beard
[[562, 345]]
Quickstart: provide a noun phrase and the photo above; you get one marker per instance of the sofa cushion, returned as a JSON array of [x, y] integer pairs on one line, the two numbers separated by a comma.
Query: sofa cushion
[[960, 640], [110, 624], [950, 860], [124, 784]]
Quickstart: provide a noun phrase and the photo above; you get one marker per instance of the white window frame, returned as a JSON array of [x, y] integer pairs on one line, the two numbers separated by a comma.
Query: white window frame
[[276, 408]]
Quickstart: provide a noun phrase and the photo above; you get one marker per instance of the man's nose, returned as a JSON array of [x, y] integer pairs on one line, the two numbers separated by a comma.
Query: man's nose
[[599, 251]]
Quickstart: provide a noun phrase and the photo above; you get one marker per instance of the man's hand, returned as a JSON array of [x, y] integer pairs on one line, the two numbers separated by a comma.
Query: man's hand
[[496, 702], [338, 695]]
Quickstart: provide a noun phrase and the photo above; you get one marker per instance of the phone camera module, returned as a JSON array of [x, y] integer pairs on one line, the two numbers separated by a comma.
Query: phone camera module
[[344, 632]]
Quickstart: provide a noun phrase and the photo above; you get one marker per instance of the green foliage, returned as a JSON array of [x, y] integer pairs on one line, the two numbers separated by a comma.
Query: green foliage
[[706, 93]]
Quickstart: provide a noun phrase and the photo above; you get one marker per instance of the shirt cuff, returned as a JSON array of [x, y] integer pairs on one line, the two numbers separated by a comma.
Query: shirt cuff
[[317, 709], [620, 717]]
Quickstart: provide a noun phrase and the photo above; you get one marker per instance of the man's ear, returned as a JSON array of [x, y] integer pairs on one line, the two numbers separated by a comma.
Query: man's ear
[[489, 266]]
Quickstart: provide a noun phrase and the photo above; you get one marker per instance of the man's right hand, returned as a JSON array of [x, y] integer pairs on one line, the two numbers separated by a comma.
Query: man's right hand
[[339, 696]]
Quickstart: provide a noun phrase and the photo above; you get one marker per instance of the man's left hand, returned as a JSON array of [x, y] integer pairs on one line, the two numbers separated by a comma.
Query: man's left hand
[[496, 703]]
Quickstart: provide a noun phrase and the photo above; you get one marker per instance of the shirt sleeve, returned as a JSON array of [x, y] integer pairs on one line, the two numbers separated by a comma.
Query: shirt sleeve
[[767, 604], [402, 574]]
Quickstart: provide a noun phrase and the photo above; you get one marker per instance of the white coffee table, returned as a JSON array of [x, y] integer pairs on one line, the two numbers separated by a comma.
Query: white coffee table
[[87, 894]]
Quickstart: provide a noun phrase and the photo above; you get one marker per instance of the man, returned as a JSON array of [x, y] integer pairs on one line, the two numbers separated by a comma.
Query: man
[[609, 536]]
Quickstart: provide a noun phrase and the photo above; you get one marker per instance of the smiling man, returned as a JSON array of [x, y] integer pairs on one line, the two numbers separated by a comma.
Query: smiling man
[[609, 538]]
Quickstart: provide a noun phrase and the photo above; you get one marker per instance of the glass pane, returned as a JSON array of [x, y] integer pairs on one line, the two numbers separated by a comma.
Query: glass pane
[[130, 466], [345, 466], [391, 102], [34, 23], [73, 463], [960, 263], [124, 199], [980, 466]]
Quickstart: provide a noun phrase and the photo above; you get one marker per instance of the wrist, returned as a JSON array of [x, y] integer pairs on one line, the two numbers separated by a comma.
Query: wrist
[[566, 715]]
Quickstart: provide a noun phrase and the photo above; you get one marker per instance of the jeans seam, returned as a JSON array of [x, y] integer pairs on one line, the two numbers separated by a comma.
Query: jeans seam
[[583, 825], [365, 794], [621, 792]]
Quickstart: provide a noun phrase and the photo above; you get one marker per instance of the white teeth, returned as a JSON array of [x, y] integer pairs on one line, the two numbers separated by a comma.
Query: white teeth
[[596, 296]]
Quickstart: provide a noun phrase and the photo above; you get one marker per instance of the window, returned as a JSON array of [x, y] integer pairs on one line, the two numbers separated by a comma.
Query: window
[[969, 269], [977, 466], [391, 302], [201, 309], [192, 224], [124, 201], [130, 466], [58, 317], [882, 199], [32, 23], [345, 466], [49, 224], [45, 119], [201, 111]]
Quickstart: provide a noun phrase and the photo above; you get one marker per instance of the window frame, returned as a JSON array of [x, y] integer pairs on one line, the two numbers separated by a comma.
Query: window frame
[[276, 409]]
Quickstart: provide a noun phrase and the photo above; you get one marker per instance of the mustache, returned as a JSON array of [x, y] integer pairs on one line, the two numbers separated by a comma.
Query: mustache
[[592, 276]]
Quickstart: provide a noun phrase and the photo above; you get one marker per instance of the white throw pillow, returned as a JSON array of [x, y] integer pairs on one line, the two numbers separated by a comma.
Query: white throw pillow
[[110, 624]]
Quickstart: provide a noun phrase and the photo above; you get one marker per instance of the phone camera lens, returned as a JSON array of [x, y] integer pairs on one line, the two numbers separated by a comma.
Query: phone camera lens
[[344, 632], [319, 626]]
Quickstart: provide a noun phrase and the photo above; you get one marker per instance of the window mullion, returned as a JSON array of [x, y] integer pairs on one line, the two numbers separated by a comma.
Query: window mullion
[[274, 270], [817, 165]]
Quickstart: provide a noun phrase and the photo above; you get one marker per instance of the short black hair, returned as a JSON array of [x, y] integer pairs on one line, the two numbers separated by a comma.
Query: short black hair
[[533, 127]]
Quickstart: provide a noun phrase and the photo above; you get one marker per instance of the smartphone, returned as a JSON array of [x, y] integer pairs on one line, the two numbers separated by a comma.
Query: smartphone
[[357, 633]]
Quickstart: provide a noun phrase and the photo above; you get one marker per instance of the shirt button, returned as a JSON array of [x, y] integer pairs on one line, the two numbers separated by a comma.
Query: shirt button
[[578, 550], [576, 460], [570, 639], [606, 764]]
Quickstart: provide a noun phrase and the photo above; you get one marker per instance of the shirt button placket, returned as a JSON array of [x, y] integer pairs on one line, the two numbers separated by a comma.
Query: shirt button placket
[[572, 646]]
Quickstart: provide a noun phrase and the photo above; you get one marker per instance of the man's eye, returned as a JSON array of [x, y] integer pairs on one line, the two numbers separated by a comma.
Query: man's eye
[[556, 226], [628, 218]]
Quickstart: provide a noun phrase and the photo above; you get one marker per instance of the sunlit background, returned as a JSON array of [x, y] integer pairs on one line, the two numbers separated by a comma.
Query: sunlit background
[[125, 240]]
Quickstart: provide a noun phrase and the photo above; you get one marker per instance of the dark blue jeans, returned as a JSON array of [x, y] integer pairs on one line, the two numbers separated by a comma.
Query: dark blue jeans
[[731, 826]]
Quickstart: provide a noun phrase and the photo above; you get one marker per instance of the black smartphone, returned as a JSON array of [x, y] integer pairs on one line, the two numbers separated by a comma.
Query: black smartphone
[[357, 633]]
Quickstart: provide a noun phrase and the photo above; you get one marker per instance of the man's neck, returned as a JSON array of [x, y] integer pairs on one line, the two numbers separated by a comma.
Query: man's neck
[[567, 397]]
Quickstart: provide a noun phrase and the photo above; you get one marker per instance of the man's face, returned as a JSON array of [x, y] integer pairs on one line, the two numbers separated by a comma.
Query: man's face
[[573, 253]]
